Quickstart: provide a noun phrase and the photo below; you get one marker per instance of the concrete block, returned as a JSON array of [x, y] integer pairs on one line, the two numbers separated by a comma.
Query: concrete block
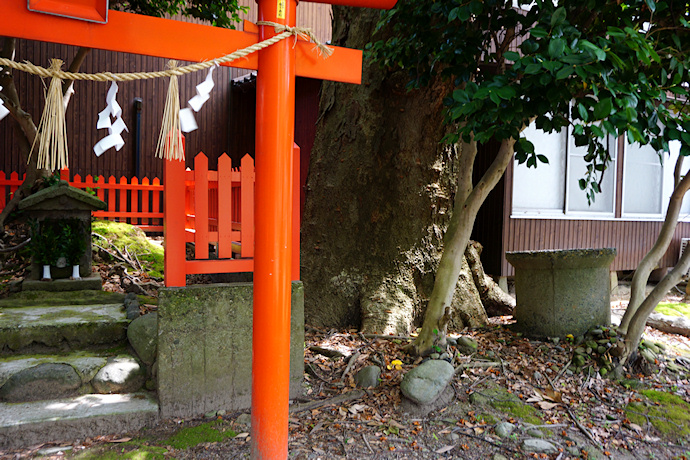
[[205, 348]]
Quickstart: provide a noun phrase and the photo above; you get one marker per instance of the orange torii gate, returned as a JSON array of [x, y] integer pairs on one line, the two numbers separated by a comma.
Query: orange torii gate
[[277, 67]]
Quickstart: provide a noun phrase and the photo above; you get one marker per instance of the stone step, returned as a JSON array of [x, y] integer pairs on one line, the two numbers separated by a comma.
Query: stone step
[[38, 377], [69, 419], [50, 329], [39, 298]]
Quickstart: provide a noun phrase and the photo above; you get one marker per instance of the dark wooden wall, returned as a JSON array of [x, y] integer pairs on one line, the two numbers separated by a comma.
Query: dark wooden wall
[[216, 132], [242, 127]]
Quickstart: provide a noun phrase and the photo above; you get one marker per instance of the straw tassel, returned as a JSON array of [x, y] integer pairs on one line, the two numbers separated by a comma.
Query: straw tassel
[[52, 132], [170, 144]]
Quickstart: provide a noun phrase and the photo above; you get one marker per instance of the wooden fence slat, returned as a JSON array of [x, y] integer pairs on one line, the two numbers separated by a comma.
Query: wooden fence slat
[[134, 200], [156, 196], [224, 210], [145, 200], [112, 200], [247, 197], [100, 190], [122, 200], [201, 206]]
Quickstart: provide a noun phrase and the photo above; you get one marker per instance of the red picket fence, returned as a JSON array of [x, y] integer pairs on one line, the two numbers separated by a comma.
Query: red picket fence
[[207, 208], [136, 203], [219, 212]]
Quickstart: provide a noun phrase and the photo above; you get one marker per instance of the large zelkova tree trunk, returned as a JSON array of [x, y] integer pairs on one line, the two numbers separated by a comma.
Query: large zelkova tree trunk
[[379, 195], [641, 305], [25, 127]]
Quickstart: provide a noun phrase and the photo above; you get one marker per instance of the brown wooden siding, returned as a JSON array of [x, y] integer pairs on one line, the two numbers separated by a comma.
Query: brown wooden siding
[[632, 239], [213, 136]]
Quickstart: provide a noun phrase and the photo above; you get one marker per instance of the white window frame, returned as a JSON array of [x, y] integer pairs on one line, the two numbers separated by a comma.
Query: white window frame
[[612, 147], [564, 212], [663, 196]]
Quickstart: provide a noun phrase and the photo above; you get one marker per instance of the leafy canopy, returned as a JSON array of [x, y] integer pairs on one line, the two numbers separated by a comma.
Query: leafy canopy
[[605, 67], [220, 13]]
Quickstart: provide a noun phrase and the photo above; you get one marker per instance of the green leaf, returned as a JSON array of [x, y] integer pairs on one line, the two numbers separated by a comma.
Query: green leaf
[[565, 72], [556, 48], [591, 47], [651, 4], [597, 131], [543, 159], [506, 92], [582, 110], [511, 55], [538, 32], [582, 183], [532, 162], [603, 108], [495, 97], [558, 16], [533, 68]]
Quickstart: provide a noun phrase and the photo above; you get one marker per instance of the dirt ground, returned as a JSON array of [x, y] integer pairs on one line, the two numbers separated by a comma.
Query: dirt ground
[[510, 379]]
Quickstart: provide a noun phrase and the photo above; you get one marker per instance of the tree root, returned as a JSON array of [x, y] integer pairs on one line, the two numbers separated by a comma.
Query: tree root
[[349, 396]]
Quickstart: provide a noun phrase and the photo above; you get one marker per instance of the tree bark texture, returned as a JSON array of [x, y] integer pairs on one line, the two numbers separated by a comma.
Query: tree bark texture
[[379, 194]]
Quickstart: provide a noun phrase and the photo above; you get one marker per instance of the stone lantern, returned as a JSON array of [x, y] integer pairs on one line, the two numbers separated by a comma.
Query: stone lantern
[[57, 206]]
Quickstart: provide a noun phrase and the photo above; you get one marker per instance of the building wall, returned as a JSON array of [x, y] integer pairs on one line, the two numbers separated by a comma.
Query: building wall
[[499, 231], [631, 238]]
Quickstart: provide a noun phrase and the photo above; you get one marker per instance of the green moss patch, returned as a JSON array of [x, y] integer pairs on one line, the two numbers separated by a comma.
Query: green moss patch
[[668, 413], [508, 403], [64, 298], [215, 431], [135, 450], [673, 309], [133, 239]]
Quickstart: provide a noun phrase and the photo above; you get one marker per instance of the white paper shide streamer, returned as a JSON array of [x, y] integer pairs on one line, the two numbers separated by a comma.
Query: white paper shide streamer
[[3, 110], [203, 93], [115, 128]]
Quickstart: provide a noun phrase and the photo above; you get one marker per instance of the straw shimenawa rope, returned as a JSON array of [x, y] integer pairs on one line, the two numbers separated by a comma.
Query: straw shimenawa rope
[[170, 138], [52, 130]]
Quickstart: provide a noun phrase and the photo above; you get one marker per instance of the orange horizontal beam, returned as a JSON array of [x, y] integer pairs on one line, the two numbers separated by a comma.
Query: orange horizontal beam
[[378, 4], [198, 267], [167, 38]]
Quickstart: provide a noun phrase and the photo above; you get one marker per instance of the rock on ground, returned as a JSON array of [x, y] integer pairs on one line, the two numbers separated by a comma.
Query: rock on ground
[[424, 383]]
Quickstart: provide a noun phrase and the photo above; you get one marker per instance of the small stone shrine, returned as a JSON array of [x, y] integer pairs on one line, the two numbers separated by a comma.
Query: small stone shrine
[[64, 213]]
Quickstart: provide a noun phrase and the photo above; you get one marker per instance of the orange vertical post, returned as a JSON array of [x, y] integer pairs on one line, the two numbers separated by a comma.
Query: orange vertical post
[[275, 119], [201, 206], [247, 187], [173, 229], [224, 207], [296, 215]]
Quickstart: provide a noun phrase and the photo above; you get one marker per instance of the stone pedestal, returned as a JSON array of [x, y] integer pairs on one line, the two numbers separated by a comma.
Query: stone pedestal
[[205, 348], [561, 292]]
